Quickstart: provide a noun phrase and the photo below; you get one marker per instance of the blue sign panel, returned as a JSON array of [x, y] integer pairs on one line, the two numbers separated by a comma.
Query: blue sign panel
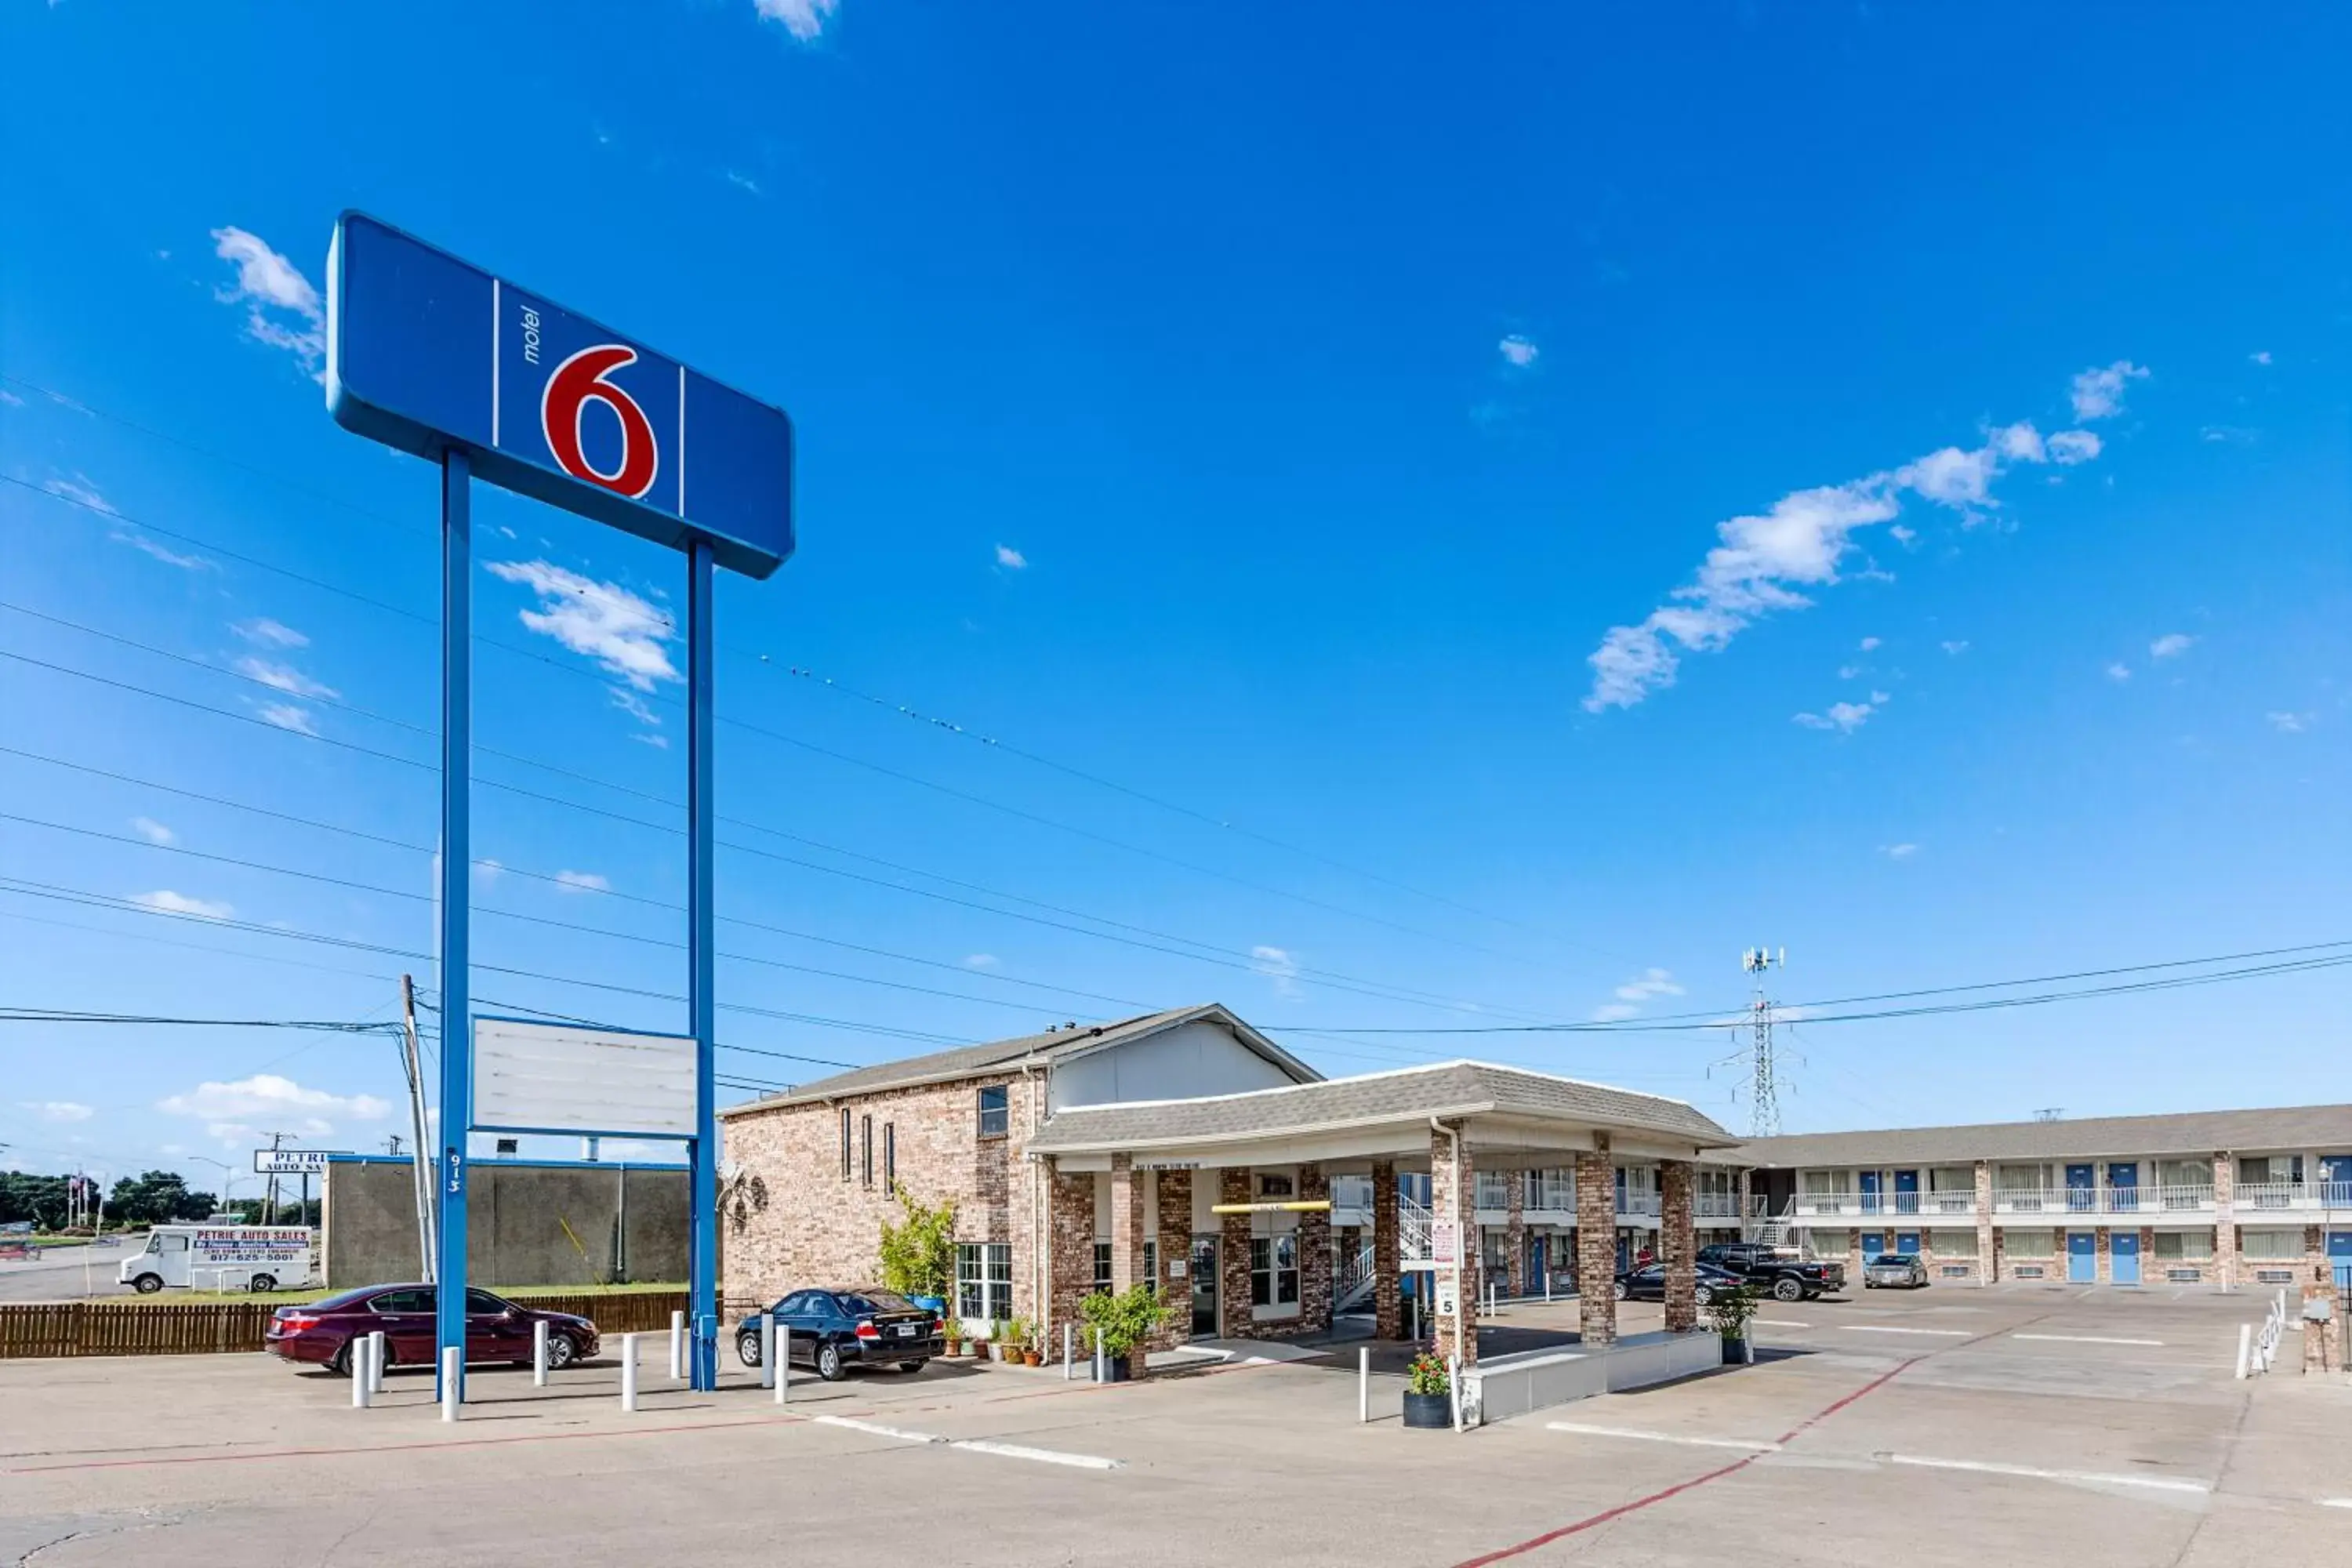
[[425, 352]]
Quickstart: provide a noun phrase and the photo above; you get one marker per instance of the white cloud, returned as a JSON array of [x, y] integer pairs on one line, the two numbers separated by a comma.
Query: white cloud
[[1010, 558], [287, 716], [604, 621], [164, 554], [1519, 351], [57, 1109], [282, 309], [1651, 983], [635, 707], [1614, 1013], [1845, 717], [658, 743], [10, 398], [582, 882], [1762, 563], [1957, 648], [268, 1095], [2259, 356], [284, 678], [81, 492], [166, 901], [1899, 851], [803, 19], [2069, 448], [153, 831], [2172, 645], [2120, 671], [2099, 392], [486, 871], [2289, 724], [742, 181], [1869, 643], [1278, 964], [1849, 671], [980, 960], [270, 634], [1902, 535]]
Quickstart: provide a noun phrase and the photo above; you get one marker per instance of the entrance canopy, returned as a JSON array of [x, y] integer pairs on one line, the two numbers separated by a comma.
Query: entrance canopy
[[1514, 1119]]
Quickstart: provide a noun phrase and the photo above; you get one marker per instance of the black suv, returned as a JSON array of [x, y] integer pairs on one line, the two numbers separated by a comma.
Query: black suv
[[1769, 1269]]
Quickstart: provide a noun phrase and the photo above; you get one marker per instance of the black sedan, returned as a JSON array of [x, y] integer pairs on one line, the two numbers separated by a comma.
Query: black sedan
[[1649, 1283], [834, 1330]]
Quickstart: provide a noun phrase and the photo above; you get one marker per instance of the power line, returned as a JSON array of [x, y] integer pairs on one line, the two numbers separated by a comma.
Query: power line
[[12, 1015]]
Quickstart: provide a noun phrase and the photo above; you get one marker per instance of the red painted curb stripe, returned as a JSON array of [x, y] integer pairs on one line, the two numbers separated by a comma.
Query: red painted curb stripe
[[1595, 1520]]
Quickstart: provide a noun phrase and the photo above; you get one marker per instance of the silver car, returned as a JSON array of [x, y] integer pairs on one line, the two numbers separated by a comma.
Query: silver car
[[1898, 1269]]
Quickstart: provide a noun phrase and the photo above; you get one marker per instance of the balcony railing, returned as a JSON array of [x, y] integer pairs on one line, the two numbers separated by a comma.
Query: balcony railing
[[1550, 1192], [1492, 1191], [2294, 1196], [1638, 1203], [1716, 1205], [1352, 1192], [2101, 1200]]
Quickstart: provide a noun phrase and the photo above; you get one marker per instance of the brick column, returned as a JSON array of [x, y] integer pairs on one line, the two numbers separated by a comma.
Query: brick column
[[1986, 1273], [2099, 1268], [1175, 1201], [1233, 1259], [1387, 1298], [1452, 1198], [1126, 1224], [1069, 1251], [2225, 1218], [1515, 1233], [1746, 1201], [1678, 1246], [1596, 1244], [1315, 1283]]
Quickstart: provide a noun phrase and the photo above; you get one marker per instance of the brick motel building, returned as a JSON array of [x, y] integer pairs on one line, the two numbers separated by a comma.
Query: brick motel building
[[1187, 1149]]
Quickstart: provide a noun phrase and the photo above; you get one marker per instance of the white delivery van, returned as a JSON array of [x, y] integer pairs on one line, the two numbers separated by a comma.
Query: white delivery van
[[221, 1257]]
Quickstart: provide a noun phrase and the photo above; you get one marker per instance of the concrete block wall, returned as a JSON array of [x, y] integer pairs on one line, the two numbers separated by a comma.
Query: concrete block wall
[[527, 1224]]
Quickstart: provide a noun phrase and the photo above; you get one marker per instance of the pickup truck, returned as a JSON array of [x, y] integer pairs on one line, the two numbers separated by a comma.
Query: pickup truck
[[1789, 1279]]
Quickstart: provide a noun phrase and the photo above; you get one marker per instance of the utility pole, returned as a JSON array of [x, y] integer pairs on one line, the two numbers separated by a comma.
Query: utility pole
[[413, 1063], [392, 1145], [269, 1197], [1764, 1093]]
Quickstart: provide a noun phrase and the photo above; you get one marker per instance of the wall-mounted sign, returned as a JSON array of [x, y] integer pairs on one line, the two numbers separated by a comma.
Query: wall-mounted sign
[[1168, 1164], [558, 1077], [1445, 1242], [1449, 1298]]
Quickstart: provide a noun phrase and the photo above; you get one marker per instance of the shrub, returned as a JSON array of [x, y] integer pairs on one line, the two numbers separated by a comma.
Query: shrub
[[1128, 1321], [1427, 1375], [1729, 1311]]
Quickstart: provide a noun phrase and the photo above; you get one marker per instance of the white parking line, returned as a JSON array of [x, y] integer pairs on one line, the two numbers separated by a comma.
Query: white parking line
[[875, 1429], [1877, 1329], [977, 1445], [1042, 1456], [1741, 1443], [2335, 1503], [2086, 1340], [2152, 1483], [1777, 1323]]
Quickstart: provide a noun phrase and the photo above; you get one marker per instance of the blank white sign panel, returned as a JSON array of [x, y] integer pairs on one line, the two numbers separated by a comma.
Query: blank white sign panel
[[560, 1078]]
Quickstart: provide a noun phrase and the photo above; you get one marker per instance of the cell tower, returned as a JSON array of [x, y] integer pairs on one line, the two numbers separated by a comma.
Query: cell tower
[[1764, 1094]]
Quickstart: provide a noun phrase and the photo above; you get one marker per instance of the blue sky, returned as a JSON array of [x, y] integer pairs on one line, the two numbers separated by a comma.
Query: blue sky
[[1861, 479]]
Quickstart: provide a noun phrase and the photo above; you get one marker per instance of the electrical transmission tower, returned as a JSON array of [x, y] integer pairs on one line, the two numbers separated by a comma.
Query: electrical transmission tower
[[1764, 1093]]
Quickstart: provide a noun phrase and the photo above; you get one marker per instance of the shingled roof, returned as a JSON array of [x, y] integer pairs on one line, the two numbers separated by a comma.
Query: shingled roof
[[978, 1061], [2191, 1132], [1445, 1088]]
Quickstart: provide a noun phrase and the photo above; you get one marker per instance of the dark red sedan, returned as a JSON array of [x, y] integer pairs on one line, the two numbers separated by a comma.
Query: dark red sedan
[[320, 1333]]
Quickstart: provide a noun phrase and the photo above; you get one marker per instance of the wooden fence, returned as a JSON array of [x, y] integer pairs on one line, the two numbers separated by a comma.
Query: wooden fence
[[188, 1328]]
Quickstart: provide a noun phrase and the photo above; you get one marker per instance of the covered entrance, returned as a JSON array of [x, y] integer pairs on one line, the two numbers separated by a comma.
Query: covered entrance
[[1204, 1272]]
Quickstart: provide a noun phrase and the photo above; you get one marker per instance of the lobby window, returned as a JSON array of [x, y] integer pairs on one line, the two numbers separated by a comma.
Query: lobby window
[[985, 1280], [1102, 1268], [1274, 1271], [995, 1111]]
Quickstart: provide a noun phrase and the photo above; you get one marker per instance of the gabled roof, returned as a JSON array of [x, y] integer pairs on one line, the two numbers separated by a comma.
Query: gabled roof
[[999, 1056], [1407, 1095], [2197, 1132]]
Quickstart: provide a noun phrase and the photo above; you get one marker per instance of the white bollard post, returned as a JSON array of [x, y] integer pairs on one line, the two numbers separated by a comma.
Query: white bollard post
[[2245, 1349], [767, 1350], [1363, 1383], [1546, 1282], [539, 1354], [1453, 1387], [628, 1371], [1102, 1362], [677, 1347], [363, 1379], [453, 1371], [784, 1363], [377, 1356], [1070, 1352]]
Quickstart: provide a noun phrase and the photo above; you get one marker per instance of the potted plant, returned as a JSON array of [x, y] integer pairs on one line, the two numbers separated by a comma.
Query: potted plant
[[1728, 1312], [1000, 1339], [1428, 1394], [1014, 1347], [1126, 1322], [952, 1330]]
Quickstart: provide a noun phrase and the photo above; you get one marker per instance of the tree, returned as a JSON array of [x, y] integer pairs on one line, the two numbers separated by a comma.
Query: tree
[[25, 1196], [156, 1197], [919, 1252]]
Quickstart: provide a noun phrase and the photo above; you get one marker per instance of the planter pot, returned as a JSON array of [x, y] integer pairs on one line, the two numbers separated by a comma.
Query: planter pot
[[1116, 1370], [1031, 1358], [1739, 1351], [1429, 1412]]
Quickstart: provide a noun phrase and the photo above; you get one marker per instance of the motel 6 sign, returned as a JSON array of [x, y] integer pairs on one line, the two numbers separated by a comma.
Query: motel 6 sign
[[549, 402]]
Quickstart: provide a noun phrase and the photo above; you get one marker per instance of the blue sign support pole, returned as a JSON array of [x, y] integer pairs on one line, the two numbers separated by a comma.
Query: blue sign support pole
[[457, 860], [702, 1260]]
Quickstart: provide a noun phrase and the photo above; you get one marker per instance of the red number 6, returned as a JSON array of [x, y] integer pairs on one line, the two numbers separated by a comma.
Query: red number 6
[[578, 382]]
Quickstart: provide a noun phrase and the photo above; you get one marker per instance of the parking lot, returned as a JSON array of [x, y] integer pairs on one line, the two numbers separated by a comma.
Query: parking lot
[[2004, 1425]]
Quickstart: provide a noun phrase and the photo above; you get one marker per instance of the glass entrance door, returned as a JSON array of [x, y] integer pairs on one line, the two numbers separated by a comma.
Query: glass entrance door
[[1204, 1286]]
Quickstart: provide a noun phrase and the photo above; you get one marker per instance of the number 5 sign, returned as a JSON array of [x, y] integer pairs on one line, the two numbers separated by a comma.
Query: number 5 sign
[[426, 353]]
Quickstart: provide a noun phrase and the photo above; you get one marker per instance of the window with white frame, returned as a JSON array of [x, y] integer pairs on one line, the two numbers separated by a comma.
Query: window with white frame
[[2273, 1244], [2183, 1245], [1951, 1241], [1274, 1271], [985, 1279], [2029, 1243], [2018, 1178], [1832, 1243], [995, 1111]]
